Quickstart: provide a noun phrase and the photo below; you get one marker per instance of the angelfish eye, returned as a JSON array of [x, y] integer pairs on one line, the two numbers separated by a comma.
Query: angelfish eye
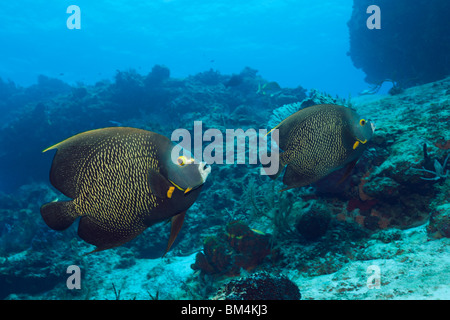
[[182, 160], [362, 122]]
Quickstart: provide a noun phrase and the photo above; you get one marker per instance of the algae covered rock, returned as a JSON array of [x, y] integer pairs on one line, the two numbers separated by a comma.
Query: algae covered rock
[[313, 223], [440, 222], [228, 252], [30, 273], [260, 286], [383, 188]]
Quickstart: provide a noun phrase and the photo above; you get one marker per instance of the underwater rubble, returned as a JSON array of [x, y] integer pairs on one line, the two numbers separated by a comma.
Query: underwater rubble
[[392, 212]]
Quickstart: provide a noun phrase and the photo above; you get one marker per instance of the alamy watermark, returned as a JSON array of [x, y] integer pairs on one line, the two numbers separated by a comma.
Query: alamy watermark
[[74, 20], [74, 280], [234, 148], [374, 277], [374, 21]]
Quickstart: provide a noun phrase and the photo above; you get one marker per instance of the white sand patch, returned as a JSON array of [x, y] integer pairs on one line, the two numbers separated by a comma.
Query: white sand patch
[[163, 276], [415, 268]]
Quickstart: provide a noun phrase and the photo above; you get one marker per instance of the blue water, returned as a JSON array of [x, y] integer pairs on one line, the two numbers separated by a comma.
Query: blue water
[[294, 42]]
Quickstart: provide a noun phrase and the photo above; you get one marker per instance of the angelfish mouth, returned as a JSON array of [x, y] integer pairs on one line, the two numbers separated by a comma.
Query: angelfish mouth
[[204, 170], [372, 125]]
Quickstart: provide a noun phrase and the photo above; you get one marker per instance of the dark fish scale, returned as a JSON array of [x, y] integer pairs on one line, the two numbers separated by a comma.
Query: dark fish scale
[[119, 196], [326, 144]]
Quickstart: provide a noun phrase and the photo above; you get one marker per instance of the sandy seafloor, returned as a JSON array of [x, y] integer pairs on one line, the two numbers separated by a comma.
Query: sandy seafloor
[[413, 268]]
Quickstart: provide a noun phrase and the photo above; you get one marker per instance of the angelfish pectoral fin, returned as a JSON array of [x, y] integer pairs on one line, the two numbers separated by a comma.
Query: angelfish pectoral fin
[[159, 185], [177, 223]]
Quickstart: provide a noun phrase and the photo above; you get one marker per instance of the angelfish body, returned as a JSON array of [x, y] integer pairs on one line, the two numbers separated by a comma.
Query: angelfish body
[[121, 181], [318, 140]]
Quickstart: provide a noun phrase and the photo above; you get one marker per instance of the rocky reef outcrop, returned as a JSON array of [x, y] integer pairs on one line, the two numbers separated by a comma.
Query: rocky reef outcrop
[[410, 48]]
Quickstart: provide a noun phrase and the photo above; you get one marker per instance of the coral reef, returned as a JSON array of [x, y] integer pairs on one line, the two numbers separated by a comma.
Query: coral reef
[[322, 237], [395, 191], [440, 222], [408, 49], [155, 101], [314, 97], [239, 247]]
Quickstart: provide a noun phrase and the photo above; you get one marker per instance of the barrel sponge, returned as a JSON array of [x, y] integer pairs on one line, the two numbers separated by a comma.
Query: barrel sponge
[[260, 286]]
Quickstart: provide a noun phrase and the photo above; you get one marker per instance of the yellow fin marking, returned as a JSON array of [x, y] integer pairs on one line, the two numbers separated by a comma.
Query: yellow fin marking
[[52, 147], [170, 192], [356, 144], [178, 187], [276, 127]]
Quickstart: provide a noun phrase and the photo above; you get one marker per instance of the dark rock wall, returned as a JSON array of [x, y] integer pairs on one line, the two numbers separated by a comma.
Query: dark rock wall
[[412, 47]]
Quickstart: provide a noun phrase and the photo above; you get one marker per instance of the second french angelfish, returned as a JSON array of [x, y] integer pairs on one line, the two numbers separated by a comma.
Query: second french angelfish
[[318, 140]]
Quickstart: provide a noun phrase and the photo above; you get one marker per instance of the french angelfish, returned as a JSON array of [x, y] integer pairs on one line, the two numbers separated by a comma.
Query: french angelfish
[[121, 181], [318, 140]]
